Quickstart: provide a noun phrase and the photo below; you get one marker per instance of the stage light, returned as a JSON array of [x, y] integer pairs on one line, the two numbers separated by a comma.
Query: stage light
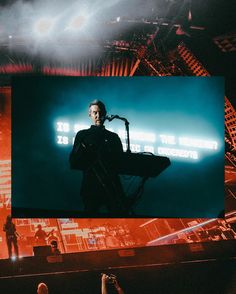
[[44, 26], [76, 23], [148, 222], [192, 228], [14, 258]]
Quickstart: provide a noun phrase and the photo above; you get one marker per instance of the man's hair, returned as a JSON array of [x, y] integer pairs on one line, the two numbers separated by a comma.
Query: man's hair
[[100, 104], [42, 288]]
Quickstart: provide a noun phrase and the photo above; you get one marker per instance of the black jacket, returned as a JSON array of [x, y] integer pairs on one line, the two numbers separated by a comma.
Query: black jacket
[[96, 152]]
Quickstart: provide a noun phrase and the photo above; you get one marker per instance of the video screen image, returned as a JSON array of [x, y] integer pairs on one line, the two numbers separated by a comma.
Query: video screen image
[[178, 119]]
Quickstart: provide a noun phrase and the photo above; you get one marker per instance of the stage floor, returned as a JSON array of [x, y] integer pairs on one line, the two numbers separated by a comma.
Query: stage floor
[[181, 268]]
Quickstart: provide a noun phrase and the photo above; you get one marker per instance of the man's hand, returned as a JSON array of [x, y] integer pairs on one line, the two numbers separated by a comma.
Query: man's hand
[[105, 279], [103, 286], [117, 286]]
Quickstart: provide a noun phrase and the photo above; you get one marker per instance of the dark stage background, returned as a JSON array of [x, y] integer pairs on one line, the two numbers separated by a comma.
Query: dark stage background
[[174, 106]]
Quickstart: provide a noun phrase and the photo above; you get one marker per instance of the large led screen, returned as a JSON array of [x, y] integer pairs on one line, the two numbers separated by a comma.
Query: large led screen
[[178, 118]]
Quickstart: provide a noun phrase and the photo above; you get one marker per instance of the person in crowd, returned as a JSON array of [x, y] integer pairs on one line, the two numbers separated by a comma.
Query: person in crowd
[[109, 283], [42, 288]]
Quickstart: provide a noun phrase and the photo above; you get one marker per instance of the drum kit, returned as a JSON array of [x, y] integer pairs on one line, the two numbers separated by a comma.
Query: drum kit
[[108, 237]]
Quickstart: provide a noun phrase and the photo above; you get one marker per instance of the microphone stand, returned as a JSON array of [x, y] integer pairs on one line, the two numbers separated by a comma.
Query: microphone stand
[[110, 118], [137, 195]]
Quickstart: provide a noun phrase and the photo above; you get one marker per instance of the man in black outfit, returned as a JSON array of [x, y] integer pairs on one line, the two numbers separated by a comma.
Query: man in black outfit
[[11, 236], [97, 151]]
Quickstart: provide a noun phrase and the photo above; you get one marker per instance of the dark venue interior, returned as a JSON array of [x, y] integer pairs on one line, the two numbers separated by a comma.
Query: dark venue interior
[[135, 38]]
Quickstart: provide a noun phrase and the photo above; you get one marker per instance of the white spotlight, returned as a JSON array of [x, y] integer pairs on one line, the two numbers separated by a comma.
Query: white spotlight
[[44, 26], [76, 23]]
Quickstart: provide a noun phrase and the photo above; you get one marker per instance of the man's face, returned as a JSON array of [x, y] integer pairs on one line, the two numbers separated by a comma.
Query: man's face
[[96, 115]]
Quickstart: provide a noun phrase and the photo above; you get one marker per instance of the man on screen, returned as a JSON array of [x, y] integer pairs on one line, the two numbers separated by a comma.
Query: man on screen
[[96, 151]]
